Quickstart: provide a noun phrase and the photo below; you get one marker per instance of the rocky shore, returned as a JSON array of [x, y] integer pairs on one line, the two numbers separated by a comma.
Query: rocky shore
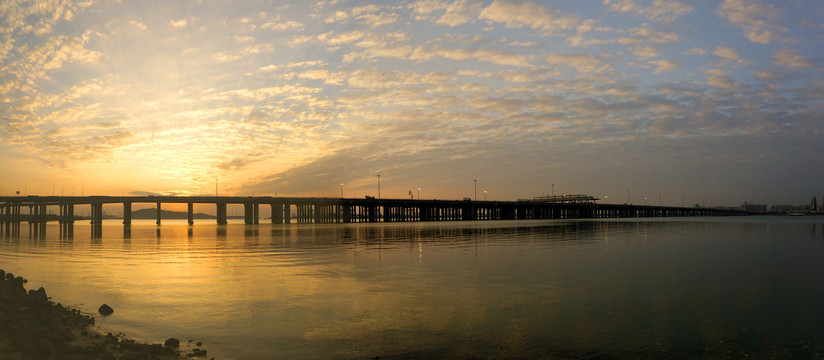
[[34, 327]]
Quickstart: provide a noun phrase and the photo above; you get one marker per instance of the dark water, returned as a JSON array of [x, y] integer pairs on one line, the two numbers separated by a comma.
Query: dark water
[[626, 289]]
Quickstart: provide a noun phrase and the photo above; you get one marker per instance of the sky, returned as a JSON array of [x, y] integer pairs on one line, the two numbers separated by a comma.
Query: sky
[[710, 102]]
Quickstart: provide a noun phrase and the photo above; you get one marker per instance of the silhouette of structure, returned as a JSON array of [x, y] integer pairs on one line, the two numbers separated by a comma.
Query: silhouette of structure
[[285, 210]]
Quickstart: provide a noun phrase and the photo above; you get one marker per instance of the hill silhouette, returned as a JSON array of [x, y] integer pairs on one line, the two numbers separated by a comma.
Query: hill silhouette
[[166, 214]]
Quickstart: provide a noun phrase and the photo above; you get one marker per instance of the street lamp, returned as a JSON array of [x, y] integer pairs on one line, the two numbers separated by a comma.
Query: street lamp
[[476, 189], [419, 193], [484, 195], [341, 190], [379, 186]]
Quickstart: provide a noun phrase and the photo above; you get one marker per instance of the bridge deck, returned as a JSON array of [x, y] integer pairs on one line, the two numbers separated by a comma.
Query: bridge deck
[[285, 210]]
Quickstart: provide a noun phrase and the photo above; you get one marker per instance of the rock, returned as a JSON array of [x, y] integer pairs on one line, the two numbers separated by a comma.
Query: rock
[[43, 349], [9, 276], [105, 310], [172, 342], [2, 274], [197, 353], [39, 295]]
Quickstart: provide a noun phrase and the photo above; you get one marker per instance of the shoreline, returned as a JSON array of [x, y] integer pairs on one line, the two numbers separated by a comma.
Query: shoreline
[[32, 326]]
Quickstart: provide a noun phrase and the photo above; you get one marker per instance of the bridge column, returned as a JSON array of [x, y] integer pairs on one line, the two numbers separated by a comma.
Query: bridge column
[[127, 213], [277, 213], [158, 213], [247, 213], [190, 213], [97, 213], [287, 213], [256, 213], [221, 213], [347, 213]]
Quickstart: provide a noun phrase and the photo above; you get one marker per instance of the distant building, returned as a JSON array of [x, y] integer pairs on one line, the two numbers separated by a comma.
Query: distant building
[[753, 208], [813, 204]]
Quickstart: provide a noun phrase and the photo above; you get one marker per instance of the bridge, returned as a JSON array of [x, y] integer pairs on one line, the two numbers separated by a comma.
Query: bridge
[[285, 210]]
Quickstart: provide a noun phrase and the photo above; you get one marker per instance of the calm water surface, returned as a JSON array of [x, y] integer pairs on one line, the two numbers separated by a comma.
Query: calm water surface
[[662, 288]]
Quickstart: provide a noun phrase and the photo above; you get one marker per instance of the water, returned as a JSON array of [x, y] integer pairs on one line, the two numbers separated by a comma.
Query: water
[[640, 288]]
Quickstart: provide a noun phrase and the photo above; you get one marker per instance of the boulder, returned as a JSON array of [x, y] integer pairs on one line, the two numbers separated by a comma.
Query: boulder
[[105, 310], [172, 342], [39, 295]]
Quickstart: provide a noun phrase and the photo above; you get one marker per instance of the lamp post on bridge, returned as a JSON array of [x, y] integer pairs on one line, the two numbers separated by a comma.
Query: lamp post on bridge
[[341, 190], [419, 193], [476, 189], [379, 186]]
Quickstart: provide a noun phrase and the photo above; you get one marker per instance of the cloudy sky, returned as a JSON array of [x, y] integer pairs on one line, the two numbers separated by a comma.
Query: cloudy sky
[[715, 102]]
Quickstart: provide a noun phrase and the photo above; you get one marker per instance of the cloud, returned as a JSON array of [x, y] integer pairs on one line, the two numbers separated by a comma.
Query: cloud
[[178, 23], [644, 52], [579, 62], [663, 11], [494, 56], [317, 74], [695, 51], [343, 38], [528, 14], [726, 54], [644, 34], [460, 12], [791, 59], [664, 65], [138, 25], [722, 79], [758, 21], [283, 26], [337, 16], [376, 20]]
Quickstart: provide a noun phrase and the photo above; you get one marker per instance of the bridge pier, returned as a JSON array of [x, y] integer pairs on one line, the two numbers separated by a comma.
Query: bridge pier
[[190, 209], [221, 213], [127, 213], [158, 213], [97, 213]]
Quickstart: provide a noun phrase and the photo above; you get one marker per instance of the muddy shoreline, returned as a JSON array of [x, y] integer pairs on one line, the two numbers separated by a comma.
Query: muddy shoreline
[[32, 326]]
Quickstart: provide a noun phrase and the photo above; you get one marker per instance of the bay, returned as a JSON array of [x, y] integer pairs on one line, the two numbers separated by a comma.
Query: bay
[[616, 288]]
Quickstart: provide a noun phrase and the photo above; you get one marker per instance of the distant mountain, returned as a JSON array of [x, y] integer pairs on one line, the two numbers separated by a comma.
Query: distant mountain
[[166, 214]]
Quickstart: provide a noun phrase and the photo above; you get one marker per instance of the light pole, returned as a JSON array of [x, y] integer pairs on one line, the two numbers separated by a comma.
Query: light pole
[[605, 199], [484, 195], [419, 193], [379, 186], [553, 190], [476, 189], [628, 197], [341, 190]]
